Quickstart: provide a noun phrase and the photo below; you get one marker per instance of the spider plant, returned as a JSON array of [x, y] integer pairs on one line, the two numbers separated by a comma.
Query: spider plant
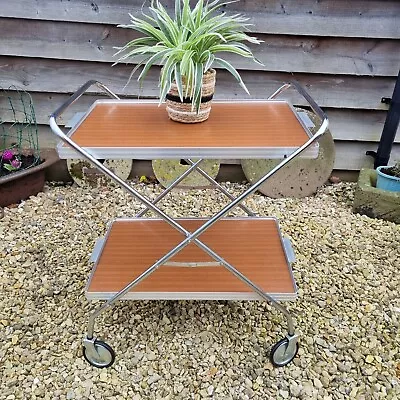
[[187, 44]]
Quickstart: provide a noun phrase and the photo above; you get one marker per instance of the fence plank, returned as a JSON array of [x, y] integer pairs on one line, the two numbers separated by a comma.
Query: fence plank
[[349, 155], [96, 42], [338, 50], [308, 17], [57, 76], [345, 125], [357, 125], [352, 157]]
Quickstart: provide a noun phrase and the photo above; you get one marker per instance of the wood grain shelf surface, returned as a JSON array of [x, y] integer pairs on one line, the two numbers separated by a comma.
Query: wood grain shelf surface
[[253, 246], [141, 129]]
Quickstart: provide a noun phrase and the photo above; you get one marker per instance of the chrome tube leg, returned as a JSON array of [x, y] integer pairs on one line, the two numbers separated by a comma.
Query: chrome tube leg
[[284, 351], [221, 188], [110, 302], [170, 187]]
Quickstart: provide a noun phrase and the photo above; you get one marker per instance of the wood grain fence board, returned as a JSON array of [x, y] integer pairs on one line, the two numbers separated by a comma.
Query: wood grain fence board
[[346, 125], [357, 125], [308, 17], [57, 76], [97, 42], [311, 25], [346, 53], [349, 155], [352, 156]]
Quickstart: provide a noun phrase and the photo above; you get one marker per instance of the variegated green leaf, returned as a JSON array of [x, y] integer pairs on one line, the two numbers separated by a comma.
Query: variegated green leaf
[[178, 80], [187, 44], [229, 67]]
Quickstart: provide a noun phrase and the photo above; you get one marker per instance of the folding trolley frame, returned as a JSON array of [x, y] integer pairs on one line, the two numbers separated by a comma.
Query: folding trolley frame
[[101, 354]]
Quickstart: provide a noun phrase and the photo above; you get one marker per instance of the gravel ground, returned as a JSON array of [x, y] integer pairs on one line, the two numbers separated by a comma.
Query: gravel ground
[[347, 313]]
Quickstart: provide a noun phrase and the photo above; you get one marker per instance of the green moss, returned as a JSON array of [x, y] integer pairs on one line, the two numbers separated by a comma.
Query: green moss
[[373, 202], [76, 169]]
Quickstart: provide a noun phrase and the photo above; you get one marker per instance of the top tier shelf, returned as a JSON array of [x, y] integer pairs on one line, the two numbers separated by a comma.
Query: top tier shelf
[[142, 130]]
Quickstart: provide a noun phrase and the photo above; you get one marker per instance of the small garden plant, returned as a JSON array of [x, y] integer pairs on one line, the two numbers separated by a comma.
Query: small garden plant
[[393, 171], [10, 160], [19, 147], [187, 44]]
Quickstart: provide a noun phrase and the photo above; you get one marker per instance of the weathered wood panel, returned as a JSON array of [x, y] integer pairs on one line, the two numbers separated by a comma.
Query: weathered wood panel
[[320, 18], [352, 155], [97, 42], [345, 125], [346, 54], [357, 125], [57, 76], [349, 155]]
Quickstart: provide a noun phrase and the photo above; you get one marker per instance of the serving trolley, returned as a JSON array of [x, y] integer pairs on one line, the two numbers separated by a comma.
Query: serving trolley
[[216, 258]]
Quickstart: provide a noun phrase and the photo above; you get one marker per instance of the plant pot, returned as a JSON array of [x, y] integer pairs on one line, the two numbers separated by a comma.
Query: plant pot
[[387, 182], [182, 111], [374, 202], [23, 184]]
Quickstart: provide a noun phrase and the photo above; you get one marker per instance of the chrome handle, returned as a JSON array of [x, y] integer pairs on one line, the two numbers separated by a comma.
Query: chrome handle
[[53, 117], [314, 106], [79, 93]]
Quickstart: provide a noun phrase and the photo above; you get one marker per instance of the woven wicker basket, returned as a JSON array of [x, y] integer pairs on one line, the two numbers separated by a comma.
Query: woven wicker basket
[[182, 111]]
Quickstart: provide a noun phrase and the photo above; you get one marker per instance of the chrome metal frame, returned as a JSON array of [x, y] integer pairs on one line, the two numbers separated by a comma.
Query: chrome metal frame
[[194, 166], [285, 243], [150, 153], [190, 237]]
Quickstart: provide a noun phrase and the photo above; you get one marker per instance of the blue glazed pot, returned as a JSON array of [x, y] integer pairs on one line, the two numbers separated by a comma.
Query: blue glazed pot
[[387, 182]]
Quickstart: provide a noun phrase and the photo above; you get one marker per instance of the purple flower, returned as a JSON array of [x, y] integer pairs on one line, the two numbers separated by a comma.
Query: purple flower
[[8, 155], [16, 163]]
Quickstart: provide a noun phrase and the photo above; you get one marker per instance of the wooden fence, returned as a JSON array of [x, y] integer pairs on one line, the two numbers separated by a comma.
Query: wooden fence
[[346, 53]]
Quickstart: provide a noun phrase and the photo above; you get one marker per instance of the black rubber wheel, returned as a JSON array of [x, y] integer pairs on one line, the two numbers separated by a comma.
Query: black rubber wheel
[[105, 355], [279, 356]]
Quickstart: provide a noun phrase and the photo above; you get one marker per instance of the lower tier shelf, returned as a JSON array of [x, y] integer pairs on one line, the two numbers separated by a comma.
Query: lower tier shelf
[[254, 246]]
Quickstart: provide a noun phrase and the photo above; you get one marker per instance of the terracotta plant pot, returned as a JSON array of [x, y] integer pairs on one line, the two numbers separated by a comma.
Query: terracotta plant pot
[[23, 184], [182, 111]]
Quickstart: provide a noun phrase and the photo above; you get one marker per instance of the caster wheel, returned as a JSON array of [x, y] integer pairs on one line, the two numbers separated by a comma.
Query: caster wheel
[[280, 354], [100, 356]]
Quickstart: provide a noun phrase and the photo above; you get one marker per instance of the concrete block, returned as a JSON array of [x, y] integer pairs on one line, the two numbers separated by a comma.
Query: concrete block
[[373, 202]]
